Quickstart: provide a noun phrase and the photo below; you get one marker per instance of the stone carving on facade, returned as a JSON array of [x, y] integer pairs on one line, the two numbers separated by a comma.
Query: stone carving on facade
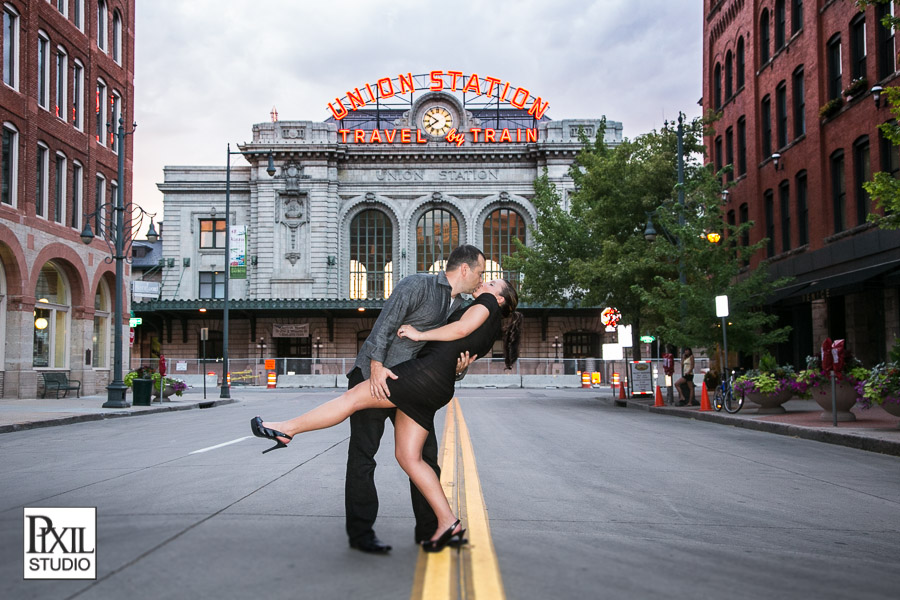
[[292, 210]]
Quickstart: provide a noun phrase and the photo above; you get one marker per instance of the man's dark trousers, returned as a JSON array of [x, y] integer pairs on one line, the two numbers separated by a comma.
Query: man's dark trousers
[[360, 495]]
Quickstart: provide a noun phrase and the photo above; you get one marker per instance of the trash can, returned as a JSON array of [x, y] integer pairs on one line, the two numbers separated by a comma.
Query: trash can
[[142, 389]]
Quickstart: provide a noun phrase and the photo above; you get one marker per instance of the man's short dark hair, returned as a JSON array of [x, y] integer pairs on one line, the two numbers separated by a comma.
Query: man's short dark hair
[[463, 254]]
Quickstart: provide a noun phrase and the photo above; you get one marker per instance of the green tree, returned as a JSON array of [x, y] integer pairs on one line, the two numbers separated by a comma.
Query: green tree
[[595, 254], [884, 188]]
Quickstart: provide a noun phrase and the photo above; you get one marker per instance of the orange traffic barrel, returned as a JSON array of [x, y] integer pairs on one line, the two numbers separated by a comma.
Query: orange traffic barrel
[[272, 380], [585, 379]]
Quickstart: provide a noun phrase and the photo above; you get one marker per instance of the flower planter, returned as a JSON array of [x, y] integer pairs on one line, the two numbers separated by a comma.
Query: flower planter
[[845, 398], [769, 404], [167, 391], [892, 408]]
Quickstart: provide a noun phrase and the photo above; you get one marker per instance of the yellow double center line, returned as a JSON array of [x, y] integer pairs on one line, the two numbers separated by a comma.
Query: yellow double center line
[[471, 571]]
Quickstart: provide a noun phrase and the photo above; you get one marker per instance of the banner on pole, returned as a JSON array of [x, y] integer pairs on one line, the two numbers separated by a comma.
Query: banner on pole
[[237, 261]]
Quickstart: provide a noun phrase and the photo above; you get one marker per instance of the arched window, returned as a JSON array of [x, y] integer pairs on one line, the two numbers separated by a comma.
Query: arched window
[[101, 24], [729, 75], [437, 234], [501, 227], [802, 209], [51, 316], [717, 86], [862, 172], [780, 24], [764, 37], [9, 165], [796, 16], [371, 254], [740, 63], [10, 47], [117, 37], [838, 190], [100, 355]]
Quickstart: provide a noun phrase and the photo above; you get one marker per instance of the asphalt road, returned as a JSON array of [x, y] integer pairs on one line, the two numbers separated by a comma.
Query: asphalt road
[[585, 500]]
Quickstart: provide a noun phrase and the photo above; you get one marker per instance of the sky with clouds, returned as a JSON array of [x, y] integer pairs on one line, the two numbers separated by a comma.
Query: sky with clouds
[[207, 70]]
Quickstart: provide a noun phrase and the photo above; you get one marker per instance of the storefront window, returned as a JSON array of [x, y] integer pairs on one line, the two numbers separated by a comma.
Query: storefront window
[[100, 355], [51, 318]]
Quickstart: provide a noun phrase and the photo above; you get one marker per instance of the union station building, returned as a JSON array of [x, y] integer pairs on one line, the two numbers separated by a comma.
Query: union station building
[[400, 172]]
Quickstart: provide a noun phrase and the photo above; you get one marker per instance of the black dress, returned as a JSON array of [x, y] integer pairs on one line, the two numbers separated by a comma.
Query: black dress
[[426, 383]]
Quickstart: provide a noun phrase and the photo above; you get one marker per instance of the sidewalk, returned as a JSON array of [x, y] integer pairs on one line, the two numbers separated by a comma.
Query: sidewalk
[[874, 429], [17, 414]]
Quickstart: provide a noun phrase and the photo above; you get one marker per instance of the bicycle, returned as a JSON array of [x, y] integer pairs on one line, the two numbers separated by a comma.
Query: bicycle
[[725, 396]]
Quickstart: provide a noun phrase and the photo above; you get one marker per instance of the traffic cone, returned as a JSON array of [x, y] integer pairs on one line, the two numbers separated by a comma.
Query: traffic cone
[[622, 391], [659, 398], [704, 399]]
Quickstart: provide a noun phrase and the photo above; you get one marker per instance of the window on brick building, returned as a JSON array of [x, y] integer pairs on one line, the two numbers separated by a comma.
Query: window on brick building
[[784, 201], [764, 37], [117, 37], [862, 172], [885, 38], [780, 24], [10, 47], [801, 191], [41, 180], [115, 108], [890, 156], [9, 165], [717, 86], [63, 7], [769, 207], [781, 115], [102, 19], [729, 75], [740, 63], [833, 60], [717, 154], [858, 47], [799, 95], [43, 70], [78, 14], [78, 95], [100, 111], [742, 146], [77, 194], [62, 82], [765, 124], [729, 153], [59, 190], [744, 217], [731, 225], [796, 16], [99, 201], [212, 233], [838, 190]]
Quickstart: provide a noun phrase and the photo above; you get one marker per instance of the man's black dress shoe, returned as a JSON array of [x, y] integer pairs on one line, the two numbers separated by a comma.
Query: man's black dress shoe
[[371, 545]]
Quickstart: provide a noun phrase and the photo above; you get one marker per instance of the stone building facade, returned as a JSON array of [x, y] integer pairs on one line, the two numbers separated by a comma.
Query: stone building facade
[[796, 86], [68, 71], [355, 205]]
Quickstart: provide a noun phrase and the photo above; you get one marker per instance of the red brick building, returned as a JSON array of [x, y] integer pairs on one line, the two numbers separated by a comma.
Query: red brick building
[[793, 81], [67, 70]]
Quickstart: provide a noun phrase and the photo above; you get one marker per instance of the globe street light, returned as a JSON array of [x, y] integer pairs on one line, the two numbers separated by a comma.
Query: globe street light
[[116, 242]]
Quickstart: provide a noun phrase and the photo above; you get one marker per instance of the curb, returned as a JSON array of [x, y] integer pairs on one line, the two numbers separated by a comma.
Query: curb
[[111, 415], [843, 438]]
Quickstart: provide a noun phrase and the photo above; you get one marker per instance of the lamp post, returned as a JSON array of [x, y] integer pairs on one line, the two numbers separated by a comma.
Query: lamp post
[[556, 346], [270, 169], [722, 311], [116, 389]]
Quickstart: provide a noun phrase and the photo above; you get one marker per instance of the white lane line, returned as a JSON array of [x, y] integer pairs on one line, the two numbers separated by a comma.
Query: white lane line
[[246, 437]]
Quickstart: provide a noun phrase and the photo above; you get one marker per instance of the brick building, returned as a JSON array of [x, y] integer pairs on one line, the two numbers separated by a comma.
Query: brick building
[[793, 81], [68, 70]]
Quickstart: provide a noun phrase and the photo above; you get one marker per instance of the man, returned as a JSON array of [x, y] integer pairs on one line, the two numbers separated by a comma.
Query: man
[[424, 301]]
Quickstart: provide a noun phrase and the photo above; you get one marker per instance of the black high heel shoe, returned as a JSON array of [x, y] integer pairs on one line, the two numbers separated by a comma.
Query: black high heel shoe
[[446, 539], [258, 430]]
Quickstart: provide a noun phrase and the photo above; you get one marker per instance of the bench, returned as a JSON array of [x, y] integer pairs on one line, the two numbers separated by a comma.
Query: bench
[[61, 383]]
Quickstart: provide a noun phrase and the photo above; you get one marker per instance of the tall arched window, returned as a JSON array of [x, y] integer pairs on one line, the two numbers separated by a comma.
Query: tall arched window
[[371, 254], [101, 24], [51, 317], [100, 356], [117, 37], [764, 37], [437, 234], [501, 227], [729, 75], [740, 63], [717, 86], [780, 24]]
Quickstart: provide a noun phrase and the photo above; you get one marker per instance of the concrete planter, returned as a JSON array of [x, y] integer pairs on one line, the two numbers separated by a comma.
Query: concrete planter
[[769, 404], [893, 409], [845, 399]]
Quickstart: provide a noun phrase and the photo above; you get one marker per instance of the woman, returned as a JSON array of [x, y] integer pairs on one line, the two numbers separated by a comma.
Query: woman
[[424, 385], [685, 385]]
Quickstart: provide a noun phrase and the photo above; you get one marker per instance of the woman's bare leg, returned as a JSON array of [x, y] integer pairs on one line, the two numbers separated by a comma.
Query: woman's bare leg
[[409, 439], [331, 413]]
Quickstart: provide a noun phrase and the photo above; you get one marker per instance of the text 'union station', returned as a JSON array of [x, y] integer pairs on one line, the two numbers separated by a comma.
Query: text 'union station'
[[350, 210]]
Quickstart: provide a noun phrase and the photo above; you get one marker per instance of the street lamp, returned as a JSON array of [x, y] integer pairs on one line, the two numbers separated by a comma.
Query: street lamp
[[556, 346], [722, 311], [117, 246], [270, 169], [317, 346]]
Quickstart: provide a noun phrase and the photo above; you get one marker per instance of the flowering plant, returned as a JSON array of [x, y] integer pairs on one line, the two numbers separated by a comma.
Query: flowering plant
[[817, 380], [769, 379], [883, 383], [177, 385]]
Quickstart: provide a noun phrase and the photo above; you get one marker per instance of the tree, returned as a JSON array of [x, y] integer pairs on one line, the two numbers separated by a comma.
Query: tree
[[884, 188], [596, 254]]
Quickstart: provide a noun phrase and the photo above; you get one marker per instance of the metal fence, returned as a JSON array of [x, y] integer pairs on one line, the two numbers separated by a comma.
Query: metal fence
[[253, 371]]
